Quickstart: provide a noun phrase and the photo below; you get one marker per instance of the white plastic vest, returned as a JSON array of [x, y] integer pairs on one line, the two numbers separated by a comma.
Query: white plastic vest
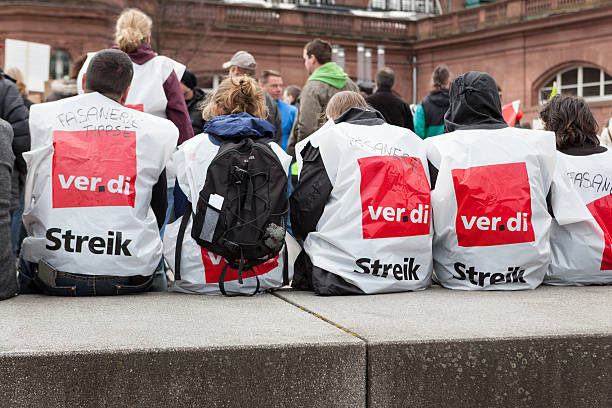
[[200, 268], [91, 171], [582, 252], [491, 218], [375, 231], [146, 90]]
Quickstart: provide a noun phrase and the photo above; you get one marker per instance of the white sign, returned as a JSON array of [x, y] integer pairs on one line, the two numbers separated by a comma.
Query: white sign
[[32, 59]]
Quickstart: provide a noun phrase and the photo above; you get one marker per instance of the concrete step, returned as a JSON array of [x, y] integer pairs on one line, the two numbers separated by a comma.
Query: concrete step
[[550, 347], [173, 350]]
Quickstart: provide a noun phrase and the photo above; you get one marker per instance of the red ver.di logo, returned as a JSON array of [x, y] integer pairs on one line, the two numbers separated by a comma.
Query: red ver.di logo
[[493, 205], [601, 210], [94, 168], [214, 264], [395, 197]]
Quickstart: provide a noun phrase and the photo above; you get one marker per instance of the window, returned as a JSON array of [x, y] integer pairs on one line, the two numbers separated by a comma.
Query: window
[[593, 84], [417, 6], [59, 64]]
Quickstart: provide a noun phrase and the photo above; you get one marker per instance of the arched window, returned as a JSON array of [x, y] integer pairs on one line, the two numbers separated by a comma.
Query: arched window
[[593, 84], [59, 64]]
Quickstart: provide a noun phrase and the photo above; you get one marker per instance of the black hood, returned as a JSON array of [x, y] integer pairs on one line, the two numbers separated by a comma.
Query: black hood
[[361, 116], [474, 103], [440, 98]]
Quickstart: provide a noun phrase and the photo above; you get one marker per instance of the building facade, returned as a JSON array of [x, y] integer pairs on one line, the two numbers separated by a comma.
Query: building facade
[[526, 45]]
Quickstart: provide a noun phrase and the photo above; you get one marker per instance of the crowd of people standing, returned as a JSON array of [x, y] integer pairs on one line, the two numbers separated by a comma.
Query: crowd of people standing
[[130, 160]]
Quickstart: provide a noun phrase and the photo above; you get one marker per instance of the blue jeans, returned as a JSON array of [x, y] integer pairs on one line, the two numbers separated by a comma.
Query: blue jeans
[[73, 284]]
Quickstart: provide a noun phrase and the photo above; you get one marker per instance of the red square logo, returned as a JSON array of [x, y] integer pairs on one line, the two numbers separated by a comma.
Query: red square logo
[[94, 168], [602, 212], [214, 264], [395, 197], [493, 205]]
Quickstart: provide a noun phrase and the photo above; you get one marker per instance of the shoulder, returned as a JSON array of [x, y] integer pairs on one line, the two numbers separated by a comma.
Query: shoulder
[[170, 65], [5, 129]]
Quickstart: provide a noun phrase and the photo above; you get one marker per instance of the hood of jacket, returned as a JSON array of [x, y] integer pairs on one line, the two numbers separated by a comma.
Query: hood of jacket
[[361, 116], [143, 53], [474, 103], [331, 74], [238, 126], [440, 98]]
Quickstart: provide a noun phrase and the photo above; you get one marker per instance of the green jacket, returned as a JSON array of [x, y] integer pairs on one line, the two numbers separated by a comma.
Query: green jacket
[[325, 82]]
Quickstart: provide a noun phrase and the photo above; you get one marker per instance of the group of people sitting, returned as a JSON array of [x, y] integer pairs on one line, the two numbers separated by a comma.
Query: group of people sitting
[[376, 209]]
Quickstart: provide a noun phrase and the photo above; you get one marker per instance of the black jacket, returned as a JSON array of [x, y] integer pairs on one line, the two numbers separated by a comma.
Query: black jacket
[[435, 106], [14, 112], [394, 109], [195, 111]]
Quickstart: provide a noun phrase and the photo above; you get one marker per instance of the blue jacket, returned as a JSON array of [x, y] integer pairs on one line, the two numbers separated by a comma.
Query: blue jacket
[[238, 126]]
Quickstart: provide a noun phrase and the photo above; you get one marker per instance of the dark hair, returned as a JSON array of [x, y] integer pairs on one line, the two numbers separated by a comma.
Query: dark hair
[[294, 91], [571, 120], [267, 74], [109, 72], [385, 78], [439, 78], [76, 66], [322, 50]]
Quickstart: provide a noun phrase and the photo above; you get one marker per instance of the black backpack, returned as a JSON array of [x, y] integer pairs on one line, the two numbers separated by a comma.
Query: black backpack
[[242, 209]]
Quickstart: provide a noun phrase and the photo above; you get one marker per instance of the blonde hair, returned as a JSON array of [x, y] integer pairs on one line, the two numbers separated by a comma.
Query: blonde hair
[[133, 27], [20, 81], [343, 101], [234, 95]]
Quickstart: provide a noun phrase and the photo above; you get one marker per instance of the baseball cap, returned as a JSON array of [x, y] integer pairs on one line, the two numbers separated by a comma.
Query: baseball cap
[[241, 59]]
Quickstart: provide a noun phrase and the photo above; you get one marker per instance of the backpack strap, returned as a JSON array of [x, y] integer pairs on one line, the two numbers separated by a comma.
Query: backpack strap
[[285, 266], [222, 282], [179, 242]]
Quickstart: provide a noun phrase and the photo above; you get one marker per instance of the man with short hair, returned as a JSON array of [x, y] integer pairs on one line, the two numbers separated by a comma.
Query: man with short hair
[[243, 63], [193, 98], [394, 109], [96, 189], [326, 79], [272, 82]]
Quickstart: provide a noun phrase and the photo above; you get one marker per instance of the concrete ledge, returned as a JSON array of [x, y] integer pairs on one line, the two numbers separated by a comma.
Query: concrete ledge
[[551, 347], [171, 350]]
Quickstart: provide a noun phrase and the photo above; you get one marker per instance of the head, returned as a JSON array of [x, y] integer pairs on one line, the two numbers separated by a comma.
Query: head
[[343, 101], [242, 63], [110, 73], [188, 84], [440, 78], [385, 78], [234, 95], [474, 103], [132, 29], [316, 53], [76, 66], [272, 82], [19, 81], [291, 94], [571, 120]]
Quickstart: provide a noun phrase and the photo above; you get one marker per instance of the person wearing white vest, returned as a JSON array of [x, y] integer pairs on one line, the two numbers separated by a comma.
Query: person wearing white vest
[[89, 213], [495, 188], [582, 252], [362, 206], [235, 113]]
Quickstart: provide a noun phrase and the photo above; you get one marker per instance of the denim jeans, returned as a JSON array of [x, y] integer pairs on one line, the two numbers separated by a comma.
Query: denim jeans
[[73, 284]]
